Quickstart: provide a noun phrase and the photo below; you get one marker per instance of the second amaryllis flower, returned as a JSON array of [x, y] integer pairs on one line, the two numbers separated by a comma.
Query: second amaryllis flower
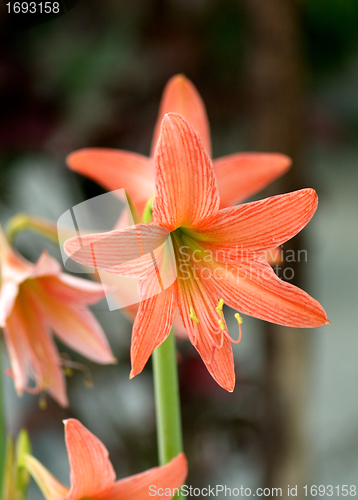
[[36, 298], [219, 255]]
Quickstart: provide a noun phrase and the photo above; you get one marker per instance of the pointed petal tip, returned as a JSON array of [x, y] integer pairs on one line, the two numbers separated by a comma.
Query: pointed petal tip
[[323, 317], [312, 193], [135, 370], [72, 158], [179, 78], [168, 117], [172, 117], [72, 424], [68, 422], [63, 401], [108, 359], [230, 386], [285, 159], [181, 96], [282, 161]]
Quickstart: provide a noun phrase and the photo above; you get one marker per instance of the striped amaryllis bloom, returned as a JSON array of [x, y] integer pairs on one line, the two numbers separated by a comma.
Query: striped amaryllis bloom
[[92, 475], [219, 255], [239, 175]]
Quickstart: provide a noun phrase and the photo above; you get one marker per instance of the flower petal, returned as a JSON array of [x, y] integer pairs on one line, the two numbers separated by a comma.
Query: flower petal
[[179, 328], [205, 333], [126, 252], [8, 294], [186, 188], [254, 289], [67, 288], [13, 266], [91, 470], [243, 174], [49, 486], [180, 96], [115, 169], [152, 324], [75, 325], [17, 347], [250, 229], [161, 479], [125, 292], [38, 350], [45, 266]]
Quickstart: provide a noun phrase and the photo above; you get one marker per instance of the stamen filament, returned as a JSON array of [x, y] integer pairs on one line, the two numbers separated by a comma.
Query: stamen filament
[[239, 320], [221, 324], [69, 366]]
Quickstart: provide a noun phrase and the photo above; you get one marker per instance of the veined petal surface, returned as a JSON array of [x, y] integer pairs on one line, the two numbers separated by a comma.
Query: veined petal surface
[[180, 96], [32, 350], [77, 327], [93, 477], [258, 226], [115, 251], [152, 324], [67, 288], [186, 188], [254, 289], [241, 175], [115, 169], [167, 477], [194, 296], [91, 470]]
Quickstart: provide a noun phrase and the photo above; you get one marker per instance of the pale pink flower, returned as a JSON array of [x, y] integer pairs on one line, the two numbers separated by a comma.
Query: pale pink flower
[[36, 299]]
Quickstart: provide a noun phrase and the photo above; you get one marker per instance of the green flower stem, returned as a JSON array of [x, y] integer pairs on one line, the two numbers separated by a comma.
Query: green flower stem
[[24, 222], [167, 402], [166, 389]]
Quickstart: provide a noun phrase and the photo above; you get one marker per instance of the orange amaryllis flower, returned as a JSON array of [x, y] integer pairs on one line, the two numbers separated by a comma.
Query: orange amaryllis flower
[[35, 298], [238, 175], [93, 477], [219, 255]]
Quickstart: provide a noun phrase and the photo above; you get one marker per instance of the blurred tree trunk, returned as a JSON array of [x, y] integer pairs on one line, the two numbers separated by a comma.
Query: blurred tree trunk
[[275, 70]]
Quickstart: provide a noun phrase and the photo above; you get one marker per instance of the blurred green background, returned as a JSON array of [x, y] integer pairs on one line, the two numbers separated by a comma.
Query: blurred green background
[[275, 75]]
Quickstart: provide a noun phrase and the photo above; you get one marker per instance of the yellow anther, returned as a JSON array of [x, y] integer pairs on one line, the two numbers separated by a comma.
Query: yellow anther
[[221, 324], [193, 315], [219, 311], [239, 318], [219, 308], [42, 403], [88, 382], [68, 371]]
